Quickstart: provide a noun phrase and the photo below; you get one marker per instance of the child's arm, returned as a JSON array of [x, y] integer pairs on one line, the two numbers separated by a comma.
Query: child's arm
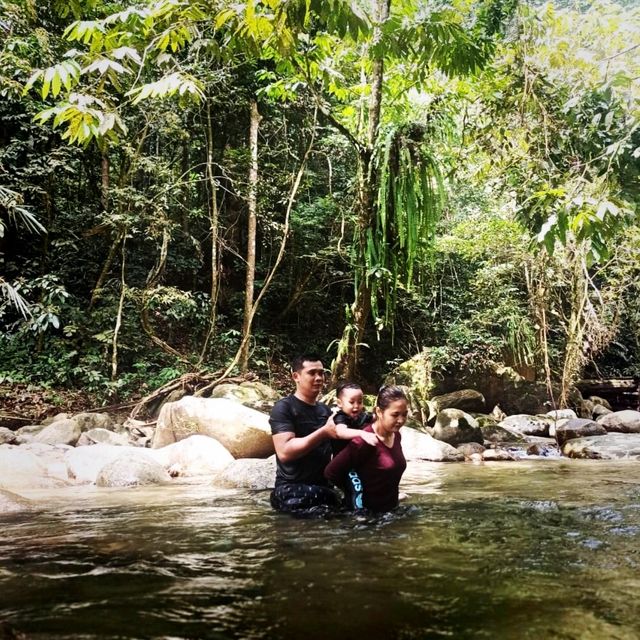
[[345, 433]]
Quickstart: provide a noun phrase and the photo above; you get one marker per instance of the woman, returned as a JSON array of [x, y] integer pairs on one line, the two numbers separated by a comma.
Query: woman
[[381, 467]]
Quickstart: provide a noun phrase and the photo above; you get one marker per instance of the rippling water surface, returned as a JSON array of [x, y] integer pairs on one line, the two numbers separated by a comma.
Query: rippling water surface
[[541, 549]]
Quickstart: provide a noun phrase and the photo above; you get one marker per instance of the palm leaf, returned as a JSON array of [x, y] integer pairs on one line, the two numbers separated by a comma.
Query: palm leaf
[[12, 296]]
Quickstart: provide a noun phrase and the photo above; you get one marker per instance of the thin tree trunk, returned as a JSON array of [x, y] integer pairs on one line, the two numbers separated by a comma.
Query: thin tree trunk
[[574, 357], [97, 289], [539, 301], [44, 262], [214, 227], [104, 186], [186, 189], [152, 279], [276, 264], [251, 236], [116, 330]]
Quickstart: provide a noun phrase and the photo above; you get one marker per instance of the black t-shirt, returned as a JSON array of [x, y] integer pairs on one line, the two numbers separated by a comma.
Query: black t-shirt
[[293, 415], [359, 422]]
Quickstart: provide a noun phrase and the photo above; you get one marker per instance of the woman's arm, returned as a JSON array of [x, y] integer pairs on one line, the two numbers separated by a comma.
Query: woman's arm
[[336, 471]]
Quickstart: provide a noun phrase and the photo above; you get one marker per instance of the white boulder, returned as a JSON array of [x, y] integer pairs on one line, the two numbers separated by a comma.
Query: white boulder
[[244, 432], [194, 456], [421, 446]]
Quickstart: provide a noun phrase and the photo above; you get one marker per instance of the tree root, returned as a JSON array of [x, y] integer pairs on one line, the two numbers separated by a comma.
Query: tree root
[[198, 383]]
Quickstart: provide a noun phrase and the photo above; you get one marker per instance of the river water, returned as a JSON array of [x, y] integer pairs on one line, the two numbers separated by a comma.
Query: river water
[[533, 549]]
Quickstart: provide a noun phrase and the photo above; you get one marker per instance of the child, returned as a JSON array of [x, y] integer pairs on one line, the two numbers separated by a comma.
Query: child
[[350, 419], [351, 416]]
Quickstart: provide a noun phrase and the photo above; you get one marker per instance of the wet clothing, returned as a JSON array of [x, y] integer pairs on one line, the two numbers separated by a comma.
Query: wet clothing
[[353, 486], [300, 483], [295, 497], [379, 468], [340, 417]]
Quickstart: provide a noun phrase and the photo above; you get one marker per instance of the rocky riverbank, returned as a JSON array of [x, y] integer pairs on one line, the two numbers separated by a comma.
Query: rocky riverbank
[[225, 440]]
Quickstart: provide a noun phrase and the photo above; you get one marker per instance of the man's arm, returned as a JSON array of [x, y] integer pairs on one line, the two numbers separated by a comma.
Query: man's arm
[[289, 448]]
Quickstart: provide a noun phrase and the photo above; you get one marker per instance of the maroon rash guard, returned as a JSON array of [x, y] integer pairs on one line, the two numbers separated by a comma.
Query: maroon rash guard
[[380, 469]]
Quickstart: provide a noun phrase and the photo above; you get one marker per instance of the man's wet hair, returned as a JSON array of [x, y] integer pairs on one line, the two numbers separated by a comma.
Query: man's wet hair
[[343, 385], [297, 364]]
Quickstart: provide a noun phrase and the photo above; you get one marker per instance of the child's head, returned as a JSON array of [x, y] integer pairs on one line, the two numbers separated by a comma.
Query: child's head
[[349, 397]]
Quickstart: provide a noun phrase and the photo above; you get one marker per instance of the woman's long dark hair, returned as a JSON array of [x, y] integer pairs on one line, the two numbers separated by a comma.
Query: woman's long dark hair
[[388, 394]]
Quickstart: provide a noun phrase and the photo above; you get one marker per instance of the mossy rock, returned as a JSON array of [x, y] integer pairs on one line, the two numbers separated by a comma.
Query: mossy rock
[[416, 375]]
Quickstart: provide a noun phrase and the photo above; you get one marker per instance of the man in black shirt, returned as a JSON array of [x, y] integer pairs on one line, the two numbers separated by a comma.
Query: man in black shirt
[[302, 429]]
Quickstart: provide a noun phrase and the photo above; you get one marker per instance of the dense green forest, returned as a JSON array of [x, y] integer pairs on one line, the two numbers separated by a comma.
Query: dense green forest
[[212, 187]]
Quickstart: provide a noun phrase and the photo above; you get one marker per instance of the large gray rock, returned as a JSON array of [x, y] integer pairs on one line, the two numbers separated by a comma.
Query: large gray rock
[[525, 424], [422, 446], [132, 471], [463, 399], [99, 435], [543, 450], [55, 418], [469, 448], [245, 432], [613, 446], [561, 414], [627, 421], [11, 502], [249, 473], [456, 427], [87, 420], [497, 455], [256, 395], [485, 421], [60, 432], [194, 456], [578, 428], [496, 434], [600, 401], [84, 463], [28, 432], [599, 410], [7, 436]]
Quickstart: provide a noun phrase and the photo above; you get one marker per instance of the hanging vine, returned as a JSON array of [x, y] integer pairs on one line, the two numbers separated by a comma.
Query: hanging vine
[[410, 199]]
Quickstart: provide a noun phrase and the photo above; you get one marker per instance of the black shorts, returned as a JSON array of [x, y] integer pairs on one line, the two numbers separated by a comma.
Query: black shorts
[[299, 497]]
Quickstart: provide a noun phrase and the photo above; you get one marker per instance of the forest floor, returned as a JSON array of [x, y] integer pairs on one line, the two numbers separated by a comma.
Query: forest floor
[[23, 404]]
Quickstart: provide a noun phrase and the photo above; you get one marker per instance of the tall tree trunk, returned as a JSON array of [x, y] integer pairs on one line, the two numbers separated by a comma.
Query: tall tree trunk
[[104, 184], [285, 232], [346, 362], [186, 188], [214, 226], [574, 348], [116, 330], [251, 236], [539, 300]]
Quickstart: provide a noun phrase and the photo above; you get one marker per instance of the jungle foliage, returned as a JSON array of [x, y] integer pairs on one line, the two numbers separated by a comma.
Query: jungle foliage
[[460, 176]]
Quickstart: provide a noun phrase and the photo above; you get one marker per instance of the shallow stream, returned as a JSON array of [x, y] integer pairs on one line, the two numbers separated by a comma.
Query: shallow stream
[[533, 549]]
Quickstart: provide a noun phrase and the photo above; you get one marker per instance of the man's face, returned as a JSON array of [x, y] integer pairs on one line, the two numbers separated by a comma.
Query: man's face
[[310, 379]]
